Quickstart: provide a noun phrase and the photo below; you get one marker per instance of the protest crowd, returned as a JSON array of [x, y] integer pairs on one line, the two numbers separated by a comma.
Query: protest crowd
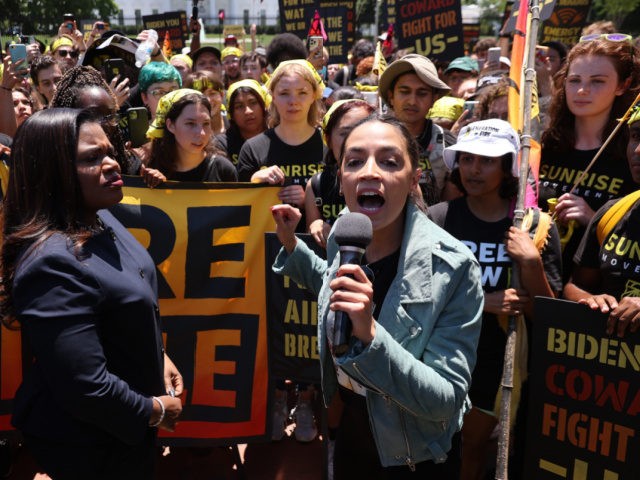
[[427, 149]]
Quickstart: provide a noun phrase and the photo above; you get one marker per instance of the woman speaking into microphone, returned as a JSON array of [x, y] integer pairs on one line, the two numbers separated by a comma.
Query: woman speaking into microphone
[[405, 374]]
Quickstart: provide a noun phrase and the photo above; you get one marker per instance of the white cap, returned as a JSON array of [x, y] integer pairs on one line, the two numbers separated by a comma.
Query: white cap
[[489, 138]]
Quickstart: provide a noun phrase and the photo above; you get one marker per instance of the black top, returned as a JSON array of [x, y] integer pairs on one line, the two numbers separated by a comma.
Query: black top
[[384, 271], [486, 241], [212, 169], [230, 142], [326, 193], [618, 258], [609, 178], [298, 162], [91, 320]]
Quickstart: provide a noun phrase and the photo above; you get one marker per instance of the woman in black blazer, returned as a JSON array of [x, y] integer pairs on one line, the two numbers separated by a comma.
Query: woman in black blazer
[[83, 292]]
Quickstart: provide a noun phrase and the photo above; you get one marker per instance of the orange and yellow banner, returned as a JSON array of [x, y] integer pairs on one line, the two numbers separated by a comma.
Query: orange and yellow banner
[[207, 241]]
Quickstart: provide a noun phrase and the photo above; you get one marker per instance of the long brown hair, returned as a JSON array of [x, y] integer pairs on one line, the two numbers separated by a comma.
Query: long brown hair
[[561, 134], [44, 195], [164, 151]]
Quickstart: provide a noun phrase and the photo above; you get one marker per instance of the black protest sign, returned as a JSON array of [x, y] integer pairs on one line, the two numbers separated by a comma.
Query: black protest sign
[[292, 315], [388, 14], [173, 22], [338, 18], [432, 28], [512, 11], [566, 22], [584, 398]]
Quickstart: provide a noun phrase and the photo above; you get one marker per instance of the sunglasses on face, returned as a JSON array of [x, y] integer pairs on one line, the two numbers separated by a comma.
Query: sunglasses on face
[[71, 53], [612, 37]]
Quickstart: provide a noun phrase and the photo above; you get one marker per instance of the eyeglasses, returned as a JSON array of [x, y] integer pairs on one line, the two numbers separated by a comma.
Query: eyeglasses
[[112, 120], [158, 92], [612, 37], [71, 53]]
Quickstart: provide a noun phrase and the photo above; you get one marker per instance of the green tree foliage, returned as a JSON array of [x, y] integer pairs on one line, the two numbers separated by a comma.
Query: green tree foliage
[[45, 16], [615, 10]]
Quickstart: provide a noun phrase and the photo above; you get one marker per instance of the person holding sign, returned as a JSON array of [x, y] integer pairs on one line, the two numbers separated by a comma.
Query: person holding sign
[[594, 88], [247, 103], [323, 201], [84, 294], [288, 154], [407, 368], [181, 142], [485, 168], [608, 258]]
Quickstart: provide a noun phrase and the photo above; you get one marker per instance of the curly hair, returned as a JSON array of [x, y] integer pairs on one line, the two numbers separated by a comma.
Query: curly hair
[[67, 95], [489, 95], [561, 135], [285, 46]]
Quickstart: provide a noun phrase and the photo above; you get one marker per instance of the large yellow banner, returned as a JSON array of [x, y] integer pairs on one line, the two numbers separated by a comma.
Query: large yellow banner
[[207, 241]]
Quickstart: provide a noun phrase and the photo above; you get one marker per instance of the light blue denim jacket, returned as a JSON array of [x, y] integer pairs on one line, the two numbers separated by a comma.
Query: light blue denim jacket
[[417, 370]]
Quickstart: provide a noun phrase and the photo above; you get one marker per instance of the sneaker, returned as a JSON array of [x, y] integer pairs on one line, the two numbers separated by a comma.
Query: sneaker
[[305, 430], [280, 414]]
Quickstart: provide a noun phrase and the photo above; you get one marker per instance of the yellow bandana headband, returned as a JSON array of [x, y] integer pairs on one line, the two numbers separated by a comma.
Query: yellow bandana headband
[[185, 58], [331, 111], [253, 85], [156, 129], [447, 107], [305, 64], [60, 41], [230, 51], [202, 84]]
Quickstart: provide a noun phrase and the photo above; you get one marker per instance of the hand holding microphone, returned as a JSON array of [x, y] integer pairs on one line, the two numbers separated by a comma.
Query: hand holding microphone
[[352, 298]]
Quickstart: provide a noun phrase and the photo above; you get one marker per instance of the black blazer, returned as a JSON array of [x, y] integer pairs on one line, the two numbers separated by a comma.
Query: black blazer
[[92, 322]]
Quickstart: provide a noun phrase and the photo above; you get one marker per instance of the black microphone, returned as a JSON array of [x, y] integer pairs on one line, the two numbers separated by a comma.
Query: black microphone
[[352, 232]]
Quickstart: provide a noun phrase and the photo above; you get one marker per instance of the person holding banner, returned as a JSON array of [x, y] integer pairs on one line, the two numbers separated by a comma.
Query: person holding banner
[[405, 375], [594, 88], [247, 104], [485, 168], [83, 291], [288, 154], [292, 148], [323, 201], [181, 142], [608, 259]]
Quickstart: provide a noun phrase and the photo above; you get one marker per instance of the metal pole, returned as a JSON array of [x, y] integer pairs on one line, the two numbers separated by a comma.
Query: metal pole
[[502, 463]]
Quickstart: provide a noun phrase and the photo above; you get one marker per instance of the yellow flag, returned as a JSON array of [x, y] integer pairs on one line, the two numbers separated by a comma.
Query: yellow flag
[[379, 62]]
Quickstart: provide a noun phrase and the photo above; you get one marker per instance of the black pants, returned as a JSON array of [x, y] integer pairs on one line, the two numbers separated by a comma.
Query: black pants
[[81, 462], [356, 455]]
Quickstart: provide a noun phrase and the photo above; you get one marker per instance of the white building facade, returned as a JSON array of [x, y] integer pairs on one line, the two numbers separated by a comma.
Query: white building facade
[[263, 12]]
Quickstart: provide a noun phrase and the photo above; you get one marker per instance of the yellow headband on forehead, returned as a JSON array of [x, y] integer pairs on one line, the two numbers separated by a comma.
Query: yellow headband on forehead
[[185, 58], [303, 63], [334, 107], [202, 84], [60, 41], [253, 85], [156, 129], [230, 51]]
